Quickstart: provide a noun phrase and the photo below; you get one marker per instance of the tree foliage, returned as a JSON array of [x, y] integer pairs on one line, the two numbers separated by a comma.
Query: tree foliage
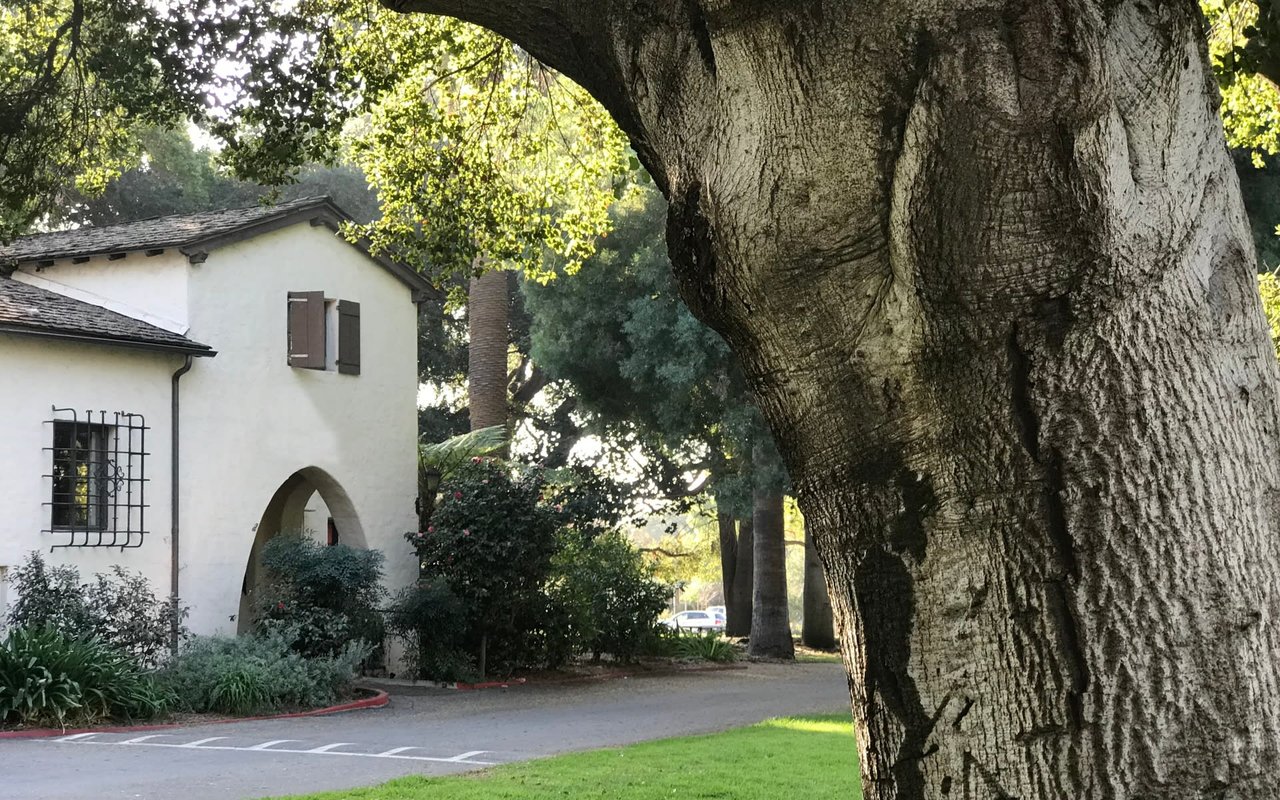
[[1238, 40], [1269, 285], [173, 176], [652, 376], [477, 152]]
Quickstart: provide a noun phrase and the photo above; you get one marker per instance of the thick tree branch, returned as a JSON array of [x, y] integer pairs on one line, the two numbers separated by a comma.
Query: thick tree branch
[[557, 32], [662, 551], [641, 60]]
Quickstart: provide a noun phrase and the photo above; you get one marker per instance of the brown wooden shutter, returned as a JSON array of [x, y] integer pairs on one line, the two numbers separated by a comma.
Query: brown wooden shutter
[[348, 337], [306, 330]]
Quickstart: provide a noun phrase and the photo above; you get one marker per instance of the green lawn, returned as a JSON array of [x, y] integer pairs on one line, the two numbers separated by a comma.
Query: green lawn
[[810, 757]]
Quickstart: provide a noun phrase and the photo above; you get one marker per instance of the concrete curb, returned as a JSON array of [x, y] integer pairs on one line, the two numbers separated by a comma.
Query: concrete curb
[[377, 701]]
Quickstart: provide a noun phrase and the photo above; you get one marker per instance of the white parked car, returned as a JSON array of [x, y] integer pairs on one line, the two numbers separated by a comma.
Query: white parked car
[[695, 620]]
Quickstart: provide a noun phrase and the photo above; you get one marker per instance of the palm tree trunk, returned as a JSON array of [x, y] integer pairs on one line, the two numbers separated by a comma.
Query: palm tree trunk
[[770, 622], [738, 599], [818, 629], [488, 302]]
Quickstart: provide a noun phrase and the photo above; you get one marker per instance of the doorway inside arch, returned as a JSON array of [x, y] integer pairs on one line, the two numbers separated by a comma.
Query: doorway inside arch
[[311, 503]]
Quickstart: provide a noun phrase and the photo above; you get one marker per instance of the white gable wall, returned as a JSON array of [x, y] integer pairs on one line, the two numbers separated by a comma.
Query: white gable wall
[[250, 421], [42, 373], [158, 285]]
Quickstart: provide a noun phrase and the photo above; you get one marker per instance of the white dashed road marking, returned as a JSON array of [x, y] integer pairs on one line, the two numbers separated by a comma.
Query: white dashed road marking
[[272, 746], [264, 745], [141, 739], [465, 756], [326, 748]]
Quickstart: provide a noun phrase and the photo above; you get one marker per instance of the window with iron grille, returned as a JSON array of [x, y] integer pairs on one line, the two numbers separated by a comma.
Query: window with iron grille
[[97, 494]]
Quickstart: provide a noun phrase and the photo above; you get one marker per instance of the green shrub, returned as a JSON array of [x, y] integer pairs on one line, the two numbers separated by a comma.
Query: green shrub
[[49, 597], [325, 596], [612, 590], [709, 646], [117, 607], [47, 676], [531, 571], [663, 643], [257, 674], [492, 538], [432, 622]]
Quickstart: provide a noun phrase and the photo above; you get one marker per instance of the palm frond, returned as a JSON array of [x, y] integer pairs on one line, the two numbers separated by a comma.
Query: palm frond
[[447, 456]]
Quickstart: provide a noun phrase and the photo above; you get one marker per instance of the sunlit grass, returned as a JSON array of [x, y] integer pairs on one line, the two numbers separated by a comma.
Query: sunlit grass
[[805, 757]]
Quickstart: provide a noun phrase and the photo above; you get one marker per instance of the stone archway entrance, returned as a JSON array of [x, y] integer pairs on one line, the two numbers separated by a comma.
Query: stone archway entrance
[[310, 502]]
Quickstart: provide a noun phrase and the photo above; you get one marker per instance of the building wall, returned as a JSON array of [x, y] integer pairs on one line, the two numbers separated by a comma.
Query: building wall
[[42, 374], [251, 421], [151, 288]]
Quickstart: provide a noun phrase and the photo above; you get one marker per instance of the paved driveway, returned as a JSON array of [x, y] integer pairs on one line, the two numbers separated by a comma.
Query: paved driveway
[[434, 733]]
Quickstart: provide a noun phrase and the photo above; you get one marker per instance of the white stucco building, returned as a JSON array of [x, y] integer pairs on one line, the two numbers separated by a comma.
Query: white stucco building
[[179, 389]]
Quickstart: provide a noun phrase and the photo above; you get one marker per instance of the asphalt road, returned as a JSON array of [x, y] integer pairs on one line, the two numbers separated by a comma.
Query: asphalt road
[[434, 732]]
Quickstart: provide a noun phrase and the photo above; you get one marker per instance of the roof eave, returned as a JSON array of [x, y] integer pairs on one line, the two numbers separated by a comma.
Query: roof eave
[[195, 349], [323, 213]]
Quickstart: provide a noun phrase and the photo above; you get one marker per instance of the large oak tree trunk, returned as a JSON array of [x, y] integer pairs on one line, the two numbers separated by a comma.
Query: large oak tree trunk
[[987, 268]]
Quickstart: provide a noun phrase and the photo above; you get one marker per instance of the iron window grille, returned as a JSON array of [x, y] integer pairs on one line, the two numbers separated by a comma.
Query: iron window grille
[[97, 479]]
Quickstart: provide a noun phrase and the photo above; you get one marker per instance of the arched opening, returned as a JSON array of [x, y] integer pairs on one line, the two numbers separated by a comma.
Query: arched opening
[[310, 502]]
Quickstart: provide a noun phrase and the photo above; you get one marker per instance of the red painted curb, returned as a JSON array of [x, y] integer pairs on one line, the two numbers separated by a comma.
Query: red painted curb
[[471, 687], [377, 701]]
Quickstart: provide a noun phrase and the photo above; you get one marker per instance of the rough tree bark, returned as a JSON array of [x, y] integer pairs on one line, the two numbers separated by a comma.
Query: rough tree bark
[[488, 306], [987, 268], [817, 629]]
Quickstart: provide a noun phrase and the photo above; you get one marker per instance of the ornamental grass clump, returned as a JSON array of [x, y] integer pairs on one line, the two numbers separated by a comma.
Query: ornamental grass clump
[[50, 678], [709, 646], [258, 674]]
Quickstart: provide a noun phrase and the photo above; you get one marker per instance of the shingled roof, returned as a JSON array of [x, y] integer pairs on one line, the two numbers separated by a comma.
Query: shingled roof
[[195, 235], [31, 311]]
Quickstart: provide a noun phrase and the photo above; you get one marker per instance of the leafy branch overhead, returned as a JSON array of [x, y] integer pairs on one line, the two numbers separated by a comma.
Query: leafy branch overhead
[[1244, 47], [479, 154]]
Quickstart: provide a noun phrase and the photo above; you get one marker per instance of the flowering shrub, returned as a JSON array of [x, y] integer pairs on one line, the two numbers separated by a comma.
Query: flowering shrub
[[492, 539]]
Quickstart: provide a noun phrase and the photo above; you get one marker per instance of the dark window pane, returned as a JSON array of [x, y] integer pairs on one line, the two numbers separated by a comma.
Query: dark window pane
[[80, 467]]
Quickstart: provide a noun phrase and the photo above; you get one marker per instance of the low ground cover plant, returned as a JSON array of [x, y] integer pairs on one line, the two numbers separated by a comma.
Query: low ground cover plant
[[48, 677], [708, 646], [257, 674]]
